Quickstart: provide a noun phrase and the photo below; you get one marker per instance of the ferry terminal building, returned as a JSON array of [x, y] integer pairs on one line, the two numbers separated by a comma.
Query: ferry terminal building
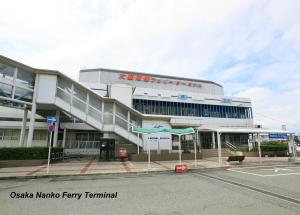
[[104, 105]]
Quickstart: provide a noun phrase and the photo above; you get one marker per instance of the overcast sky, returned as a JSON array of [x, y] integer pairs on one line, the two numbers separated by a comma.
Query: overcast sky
[[252, 47]]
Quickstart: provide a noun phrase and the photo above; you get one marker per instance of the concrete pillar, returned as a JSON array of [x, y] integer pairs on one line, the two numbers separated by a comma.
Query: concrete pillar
[[290, 144], [250, 142], [32, 114], [102, 112], [128, 121], [219, 148], [23, 129], [56, 126], [31, 125], [114, 113], [64, 138], [213, 140]]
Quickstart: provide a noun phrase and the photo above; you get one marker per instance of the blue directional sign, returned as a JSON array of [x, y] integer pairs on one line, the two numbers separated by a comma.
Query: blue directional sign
[[278, 136], [51, 119], [182, 97]]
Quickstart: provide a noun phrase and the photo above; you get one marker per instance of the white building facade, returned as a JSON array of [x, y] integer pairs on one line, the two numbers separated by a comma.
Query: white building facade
[[103, 106]]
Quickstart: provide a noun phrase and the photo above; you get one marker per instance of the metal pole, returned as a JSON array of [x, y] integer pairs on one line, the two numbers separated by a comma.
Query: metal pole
[[219, 148], [148, 155], [158, 146], [199, 137], [195, 148], [138, 147], [259, 149], [56, 125], [179, 147], [49, 152]]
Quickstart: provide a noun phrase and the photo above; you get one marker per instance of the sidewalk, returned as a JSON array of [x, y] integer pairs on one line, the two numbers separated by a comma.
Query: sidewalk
[[90, 167]]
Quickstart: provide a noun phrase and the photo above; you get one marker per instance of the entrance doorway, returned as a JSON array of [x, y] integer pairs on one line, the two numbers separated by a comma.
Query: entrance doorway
[[107, 149]]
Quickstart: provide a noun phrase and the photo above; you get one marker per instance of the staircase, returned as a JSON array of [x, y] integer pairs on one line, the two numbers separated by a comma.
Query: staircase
[[208, 153]]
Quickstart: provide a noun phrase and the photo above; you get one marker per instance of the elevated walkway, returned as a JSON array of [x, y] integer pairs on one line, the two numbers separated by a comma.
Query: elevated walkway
[[49, 91]]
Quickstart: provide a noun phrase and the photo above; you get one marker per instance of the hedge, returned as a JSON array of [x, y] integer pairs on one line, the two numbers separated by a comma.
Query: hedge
[[24, 153], [274, 146]]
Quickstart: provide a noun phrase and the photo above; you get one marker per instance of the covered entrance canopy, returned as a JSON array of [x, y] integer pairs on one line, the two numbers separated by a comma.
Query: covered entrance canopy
[[178, 132], [245, 130]]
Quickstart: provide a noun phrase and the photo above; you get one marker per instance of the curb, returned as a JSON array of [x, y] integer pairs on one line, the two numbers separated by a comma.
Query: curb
[[109, 174]]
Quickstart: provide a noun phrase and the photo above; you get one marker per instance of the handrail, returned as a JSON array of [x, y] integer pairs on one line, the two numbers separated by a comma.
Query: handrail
[[231, 146]]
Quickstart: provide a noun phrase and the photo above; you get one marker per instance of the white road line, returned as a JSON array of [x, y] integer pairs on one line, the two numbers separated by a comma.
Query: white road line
[[262, 175], [255, 167], [275, 168], [249, 173], [292, 173]]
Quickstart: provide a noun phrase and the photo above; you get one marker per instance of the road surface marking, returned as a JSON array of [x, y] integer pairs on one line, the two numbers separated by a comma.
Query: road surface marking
[[86, 167], [160, 164], [255, 189], [35, 171], [126, 166]]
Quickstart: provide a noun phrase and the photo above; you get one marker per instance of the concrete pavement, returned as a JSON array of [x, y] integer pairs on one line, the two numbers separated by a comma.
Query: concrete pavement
[[88, 167], [159, 193]]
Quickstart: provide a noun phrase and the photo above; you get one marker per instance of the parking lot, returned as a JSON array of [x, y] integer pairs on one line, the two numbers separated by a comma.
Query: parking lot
[[246, 190]]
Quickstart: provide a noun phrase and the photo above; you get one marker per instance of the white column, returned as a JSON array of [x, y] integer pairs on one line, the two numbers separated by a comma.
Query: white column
[[64, 138], [138, 147], [102, 112], [199, 137], [219, 148], [128, 121], [250, 143], [290, 143], [56, 125], [32, 113], [259, 150], [179, 149], [195, 148], [114, 113], [213, 140], [158, 146], [23, 129], [31, 125]]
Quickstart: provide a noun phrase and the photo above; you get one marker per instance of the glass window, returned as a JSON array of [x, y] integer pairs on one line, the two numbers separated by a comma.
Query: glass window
[[64, 84], [25, 78], [108, 107], [7, 72], [121, 112], [5, 90], [96, 103], [80, 93], [23, 94]]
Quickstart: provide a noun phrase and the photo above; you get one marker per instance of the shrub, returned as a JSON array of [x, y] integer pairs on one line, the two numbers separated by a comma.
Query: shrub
[[274, 146], [24, 153]]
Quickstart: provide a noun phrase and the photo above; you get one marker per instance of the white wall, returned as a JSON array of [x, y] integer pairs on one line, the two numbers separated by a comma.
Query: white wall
[[46, 89], [121, 92]]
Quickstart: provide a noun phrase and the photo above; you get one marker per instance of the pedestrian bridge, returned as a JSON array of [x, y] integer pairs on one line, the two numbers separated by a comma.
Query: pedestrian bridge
[[49, 91]]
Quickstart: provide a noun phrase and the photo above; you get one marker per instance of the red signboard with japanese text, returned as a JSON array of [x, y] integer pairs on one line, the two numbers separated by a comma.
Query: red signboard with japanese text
[[148, 78]]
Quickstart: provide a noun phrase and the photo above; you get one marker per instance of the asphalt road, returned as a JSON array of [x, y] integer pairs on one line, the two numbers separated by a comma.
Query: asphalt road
[[193, 193]]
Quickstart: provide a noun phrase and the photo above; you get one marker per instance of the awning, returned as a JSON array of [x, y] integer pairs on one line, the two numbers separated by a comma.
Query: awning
[[163, 130], [244, 130]]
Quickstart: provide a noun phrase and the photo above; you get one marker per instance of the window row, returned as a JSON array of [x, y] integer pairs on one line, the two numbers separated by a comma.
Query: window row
[[190, 109]]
